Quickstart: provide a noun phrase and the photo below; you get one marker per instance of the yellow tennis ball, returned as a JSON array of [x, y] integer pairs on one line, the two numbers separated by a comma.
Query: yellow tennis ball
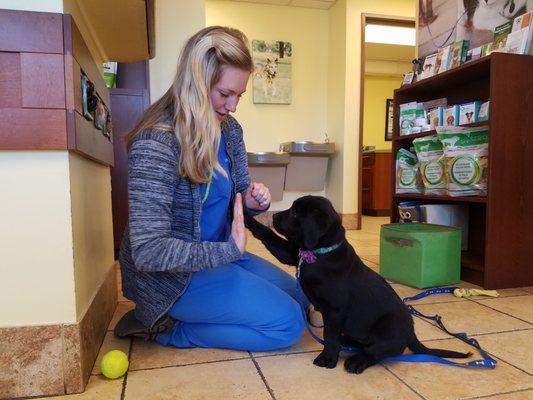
[[114, 364]]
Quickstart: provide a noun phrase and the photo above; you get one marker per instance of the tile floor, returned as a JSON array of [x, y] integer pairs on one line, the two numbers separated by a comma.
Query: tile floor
[[503, 326]]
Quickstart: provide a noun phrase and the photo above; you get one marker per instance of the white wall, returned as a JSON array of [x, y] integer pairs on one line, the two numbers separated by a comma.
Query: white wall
[[348, 201], [267, 125], [53, 6], [92, 228], [37, 285], [175, 22]]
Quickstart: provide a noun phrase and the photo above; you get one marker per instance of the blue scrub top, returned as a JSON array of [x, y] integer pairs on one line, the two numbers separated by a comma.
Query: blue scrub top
[[215, 224]]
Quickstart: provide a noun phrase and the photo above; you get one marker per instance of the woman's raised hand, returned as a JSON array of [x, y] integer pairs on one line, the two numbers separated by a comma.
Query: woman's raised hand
[[257, 196]]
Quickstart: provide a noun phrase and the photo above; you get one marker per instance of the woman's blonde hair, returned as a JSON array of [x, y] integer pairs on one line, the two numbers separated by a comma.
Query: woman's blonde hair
[[188, 100]]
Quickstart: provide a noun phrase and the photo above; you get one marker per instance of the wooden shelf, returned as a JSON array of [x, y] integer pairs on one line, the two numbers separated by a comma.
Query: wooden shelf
[[463, 74], [462, 199], [432, 132], [500, 238]]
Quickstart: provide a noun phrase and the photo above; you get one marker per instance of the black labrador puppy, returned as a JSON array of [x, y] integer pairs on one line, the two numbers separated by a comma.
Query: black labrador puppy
[[358, 306]]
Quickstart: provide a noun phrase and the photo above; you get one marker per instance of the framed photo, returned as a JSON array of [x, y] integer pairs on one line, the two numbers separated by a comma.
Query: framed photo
[[272, 75], [389, 112]]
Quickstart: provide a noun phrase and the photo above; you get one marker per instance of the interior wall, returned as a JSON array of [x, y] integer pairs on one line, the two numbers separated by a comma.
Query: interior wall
[[175, 22], [354, 10], [37, 285], [336, 97], [92, 228], [377, 90], [267, 125]]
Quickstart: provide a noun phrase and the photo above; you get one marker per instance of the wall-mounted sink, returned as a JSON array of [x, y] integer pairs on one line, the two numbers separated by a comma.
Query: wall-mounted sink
[[268, 158], [309, 162], [269, 168], [306, 147]]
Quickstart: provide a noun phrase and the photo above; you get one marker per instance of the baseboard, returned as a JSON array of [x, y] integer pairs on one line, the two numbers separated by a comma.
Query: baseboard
[[376, 213], [56, 359], [350, 221]]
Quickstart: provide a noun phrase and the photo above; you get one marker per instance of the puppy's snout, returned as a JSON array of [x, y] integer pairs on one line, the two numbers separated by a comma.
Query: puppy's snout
[[278, 221]]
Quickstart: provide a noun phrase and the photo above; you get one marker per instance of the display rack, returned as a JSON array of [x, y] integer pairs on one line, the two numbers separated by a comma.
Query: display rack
[[500, 252]]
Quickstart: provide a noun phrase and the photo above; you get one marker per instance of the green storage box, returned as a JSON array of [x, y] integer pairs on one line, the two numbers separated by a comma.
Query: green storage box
[[420, 255]]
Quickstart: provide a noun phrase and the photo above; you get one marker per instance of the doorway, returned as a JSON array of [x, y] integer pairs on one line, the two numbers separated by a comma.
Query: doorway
[[387, 51]]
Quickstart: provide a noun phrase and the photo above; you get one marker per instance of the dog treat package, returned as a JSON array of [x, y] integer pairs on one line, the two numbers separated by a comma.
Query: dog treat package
[[469, 112], [466, 153], [436, 117], [407, 173], [431, 161], [451, 116], [409, 112], [484, 114]]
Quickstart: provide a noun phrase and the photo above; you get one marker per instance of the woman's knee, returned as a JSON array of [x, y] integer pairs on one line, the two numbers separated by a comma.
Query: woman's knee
[[294, 325]]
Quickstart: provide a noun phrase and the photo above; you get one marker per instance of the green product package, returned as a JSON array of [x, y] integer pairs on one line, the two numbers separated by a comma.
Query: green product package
[[409, 112], [430, 155], [466, 153], [407, 173], [110, 74]]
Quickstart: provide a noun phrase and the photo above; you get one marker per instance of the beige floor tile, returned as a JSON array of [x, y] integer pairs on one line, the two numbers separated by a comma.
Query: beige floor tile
[[521, 395], [98, 388], [512, 292], [441, 382], [306, 343], [146, 355], [294, 377], [371, 257], [472, 318], [359, 237], [236, 379], [520, 306], [427, 331], [122, 308], [111, 342], [516, 348]]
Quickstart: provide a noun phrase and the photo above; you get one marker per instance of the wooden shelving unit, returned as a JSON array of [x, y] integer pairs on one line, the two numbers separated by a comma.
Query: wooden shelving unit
[[500, 253]]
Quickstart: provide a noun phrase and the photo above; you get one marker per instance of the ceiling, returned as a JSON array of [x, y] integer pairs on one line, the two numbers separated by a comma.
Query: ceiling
[[122, 30], [321, 4]]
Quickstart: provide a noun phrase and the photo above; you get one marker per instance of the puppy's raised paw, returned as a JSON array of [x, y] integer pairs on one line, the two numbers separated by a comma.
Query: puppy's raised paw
[[356, 364], [324, 361]]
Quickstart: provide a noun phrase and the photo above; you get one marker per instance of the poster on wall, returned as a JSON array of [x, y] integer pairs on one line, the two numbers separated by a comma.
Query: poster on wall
[[272, 74], [443, 22], [389, 110]]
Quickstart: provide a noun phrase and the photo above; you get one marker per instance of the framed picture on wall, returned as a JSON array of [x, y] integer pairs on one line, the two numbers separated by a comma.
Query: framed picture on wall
[[388, 119], [272, 75]]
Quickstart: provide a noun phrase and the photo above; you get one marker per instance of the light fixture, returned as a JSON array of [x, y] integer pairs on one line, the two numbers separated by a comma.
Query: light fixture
[[389, 34]]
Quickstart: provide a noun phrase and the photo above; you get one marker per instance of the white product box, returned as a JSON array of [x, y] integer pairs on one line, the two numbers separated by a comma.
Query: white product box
[[455, 215]]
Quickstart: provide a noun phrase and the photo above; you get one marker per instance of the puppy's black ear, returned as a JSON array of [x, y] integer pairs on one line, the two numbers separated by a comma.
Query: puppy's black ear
[[311, 232]]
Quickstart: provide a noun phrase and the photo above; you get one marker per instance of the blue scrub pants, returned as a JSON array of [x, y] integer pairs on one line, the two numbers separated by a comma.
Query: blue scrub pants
[[249, 305]]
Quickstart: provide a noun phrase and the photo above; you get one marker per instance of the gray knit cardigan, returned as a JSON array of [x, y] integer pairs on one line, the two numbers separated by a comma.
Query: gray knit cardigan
[[161, 247]]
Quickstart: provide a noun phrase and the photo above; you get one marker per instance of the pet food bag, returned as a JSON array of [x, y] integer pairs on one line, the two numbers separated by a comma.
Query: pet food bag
[[466, 153], [407, 173], [431, 161]]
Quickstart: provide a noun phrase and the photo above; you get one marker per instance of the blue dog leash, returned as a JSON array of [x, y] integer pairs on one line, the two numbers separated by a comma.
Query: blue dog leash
[[487, 362]]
